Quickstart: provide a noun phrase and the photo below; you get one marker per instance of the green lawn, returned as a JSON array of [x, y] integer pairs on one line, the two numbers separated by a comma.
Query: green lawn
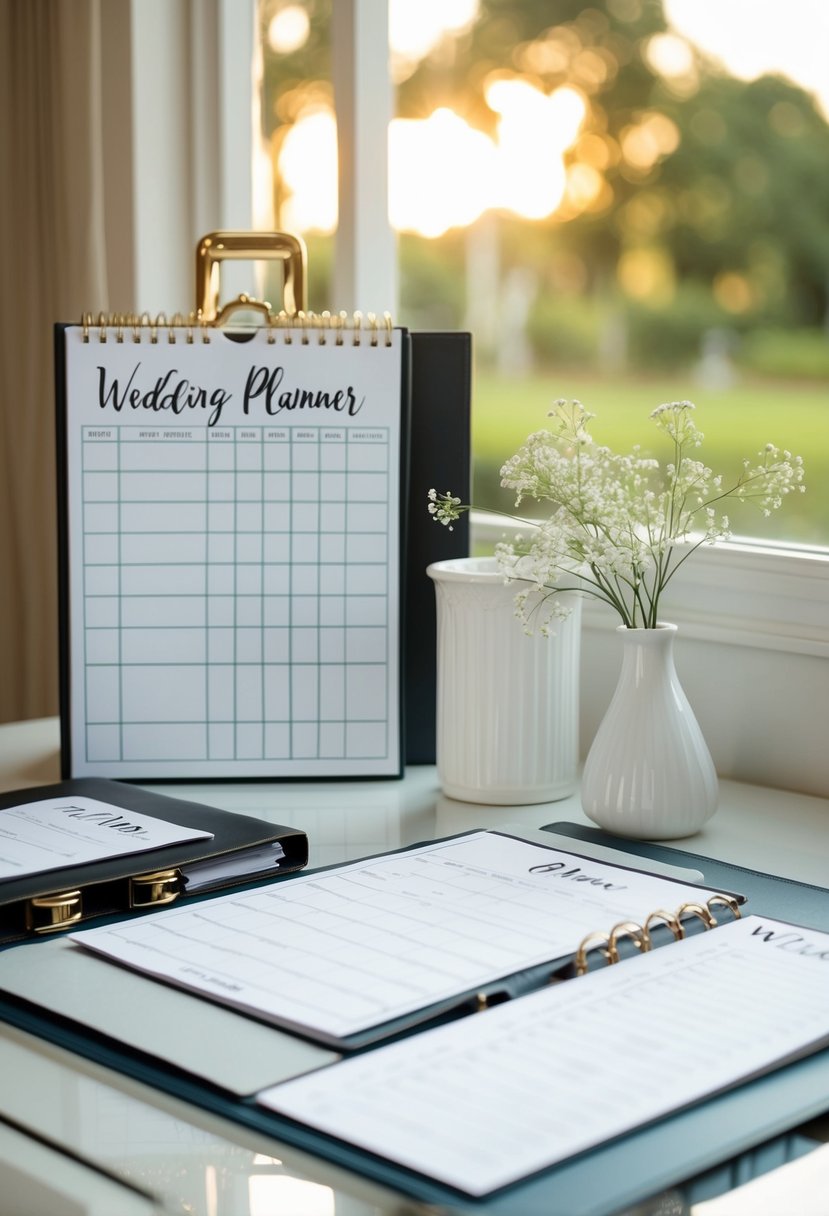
[[736, 423]]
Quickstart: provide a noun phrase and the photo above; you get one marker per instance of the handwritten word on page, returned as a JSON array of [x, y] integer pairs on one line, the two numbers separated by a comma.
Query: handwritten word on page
[[345, 950], [54, 833], [496, 1096]]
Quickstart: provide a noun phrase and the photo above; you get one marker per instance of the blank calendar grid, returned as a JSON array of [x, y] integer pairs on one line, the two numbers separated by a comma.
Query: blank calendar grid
[[236, 593]]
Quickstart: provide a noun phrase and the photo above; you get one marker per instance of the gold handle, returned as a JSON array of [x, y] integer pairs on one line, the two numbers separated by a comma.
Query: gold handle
[[218, 247]]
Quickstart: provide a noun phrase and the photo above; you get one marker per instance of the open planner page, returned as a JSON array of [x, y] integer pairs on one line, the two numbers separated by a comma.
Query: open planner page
[[497, 1096], [232, 535], [342, 951]]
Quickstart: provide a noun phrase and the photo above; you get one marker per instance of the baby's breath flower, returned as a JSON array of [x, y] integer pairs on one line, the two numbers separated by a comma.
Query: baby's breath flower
[[444, 508], [619, 527]]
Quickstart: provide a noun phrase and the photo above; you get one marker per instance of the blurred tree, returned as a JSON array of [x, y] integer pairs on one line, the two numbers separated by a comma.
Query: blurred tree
[[693, 177], [749, 185], [597, 50], [682, 179]]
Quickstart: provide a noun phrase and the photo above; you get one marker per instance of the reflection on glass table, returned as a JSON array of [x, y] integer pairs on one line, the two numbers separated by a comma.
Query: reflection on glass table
[[91, 1124]]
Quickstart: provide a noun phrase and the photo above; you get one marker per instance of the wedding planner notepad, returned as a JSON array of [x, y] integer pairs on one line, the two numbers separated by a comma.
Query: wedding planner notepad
[[231, 551]]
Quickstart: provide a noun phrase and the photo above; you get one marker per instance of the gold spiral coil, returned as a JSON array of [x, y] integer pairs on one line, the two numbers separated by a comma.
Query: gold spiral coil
[[303, 328]]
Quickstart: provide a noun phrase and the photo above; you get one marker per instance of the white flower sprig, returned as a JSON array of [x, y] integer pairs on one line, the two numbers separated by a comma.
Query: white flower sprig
[[620, 527]]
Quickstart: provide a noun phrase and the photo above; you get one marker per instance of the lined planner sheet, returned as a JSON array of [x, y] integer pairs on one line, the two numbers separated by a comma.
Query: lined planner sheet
[[53, 833], [495, 1097], [341, 951], [233, 554]]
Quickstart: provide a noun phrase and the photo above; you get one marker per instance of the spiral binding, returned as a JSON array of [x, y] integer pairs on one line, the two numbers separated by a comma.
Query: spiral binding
[[607, 944], [302, 328]]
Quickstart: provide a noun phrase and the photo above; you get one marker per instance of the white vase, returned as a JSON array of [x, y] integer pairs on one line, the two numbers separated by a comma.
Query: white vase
[[507, 704], [649, 772]]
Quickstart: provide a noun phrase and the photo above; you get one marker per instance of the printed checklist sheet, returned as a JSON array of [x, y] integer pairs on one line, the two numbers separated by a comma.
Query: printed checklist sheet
[[232, 535]]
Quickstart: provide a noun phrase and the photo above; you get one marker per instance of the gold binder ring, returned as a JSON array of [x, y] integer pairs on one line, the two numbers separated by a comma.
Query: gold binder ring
[[698, 910], [387, 321], [593, 941], [358, 322], [162, 887], [726, 901], [284, 322], [162, 323], [627, 928], [49, 913], [177, 322], [670, 919], [145, 322]]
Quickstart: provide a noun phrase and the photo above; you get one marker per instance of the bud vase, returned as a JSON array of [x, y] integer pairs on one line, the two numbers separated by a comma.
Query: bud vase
[[649, 773], [507, 704]]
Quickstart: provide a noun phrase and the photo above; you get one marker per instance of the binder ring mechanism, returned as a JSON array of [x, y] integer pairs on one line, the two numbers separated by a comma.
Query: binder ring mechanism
[[62, 909], [323, 329], [607, 944], [50, 913]]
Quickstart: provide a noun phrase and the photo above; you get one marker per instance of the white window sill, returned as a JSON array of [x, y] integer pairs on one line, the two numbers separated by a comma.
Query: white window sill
[[742, 592]]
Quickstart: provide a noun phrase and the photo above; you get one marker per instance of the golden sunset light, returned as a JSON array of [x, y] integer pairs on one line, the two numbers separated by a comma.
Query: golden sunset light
[[442, 172]]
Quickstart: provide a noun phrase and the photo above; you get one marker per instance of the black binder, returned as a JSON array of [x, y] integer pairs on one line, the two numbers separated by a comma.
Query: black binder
[[440, 457], [241, 848]]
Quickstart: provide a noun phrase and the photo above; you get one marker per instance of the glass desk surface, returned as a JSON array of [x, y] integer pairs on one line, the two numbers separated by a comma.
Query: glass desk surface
[[109, 1144]]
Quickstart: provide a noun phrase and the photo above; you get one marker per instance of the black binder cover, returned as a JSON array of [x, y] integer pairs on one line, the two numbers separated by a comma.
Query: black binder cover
[[105, 886], [440, 458]]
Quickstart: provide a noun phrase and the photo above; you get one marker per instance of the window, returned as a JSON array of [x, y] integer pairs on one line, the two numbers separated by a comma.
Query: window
[[592, 304], [604, 204]]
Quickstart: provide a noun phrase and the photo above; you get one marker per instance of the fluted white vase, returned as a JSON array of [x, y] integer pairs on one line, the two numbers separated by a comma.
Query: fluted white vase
[[649, 773], [507, 704]]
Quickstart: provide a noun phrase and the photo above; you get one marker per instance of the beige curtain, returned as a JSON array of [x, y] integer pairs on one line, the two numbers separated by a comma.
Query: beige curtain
[[52, 268]]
